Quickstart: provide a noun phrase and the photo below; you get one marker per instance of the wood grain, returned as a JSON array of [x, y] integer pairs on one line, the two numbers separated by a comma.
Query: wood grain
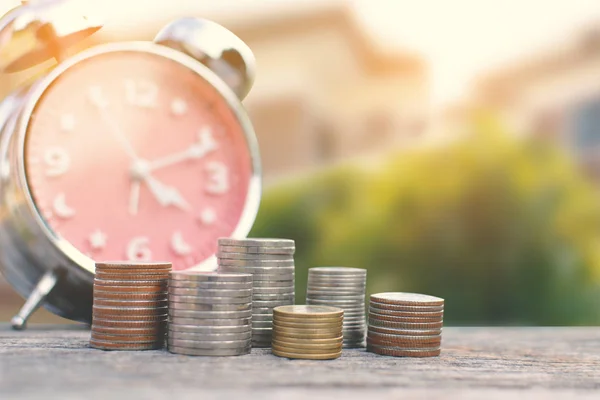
[[49, 362]]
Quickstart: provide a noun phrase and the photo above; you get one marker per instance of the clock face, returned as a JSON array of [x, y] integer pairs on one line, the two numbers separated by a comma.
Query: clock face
[[133, 156]]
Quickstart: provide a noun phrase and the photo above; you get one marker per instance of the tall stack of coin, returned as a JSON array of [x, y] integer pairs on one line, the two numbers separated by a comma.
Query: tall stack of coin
[[271, 262], [344, 288], [307, 332], [405, 325], [130, 306], [210, 313]]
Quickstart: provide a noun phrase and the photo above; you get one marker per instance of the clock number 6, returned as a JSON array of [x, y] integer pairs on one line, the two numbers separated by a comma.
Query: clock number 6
[[138, 250], [218, 182]]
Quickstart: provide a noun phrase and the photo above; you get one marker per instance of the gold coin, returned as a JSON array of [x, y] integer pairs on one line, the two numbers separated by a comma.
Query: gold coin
[[133, 265], [303, 319], [280, 336], [323, 348], [304, 350], [301, 356], [127, 339], [398, 352], [102, 345], [308, 311], [126, 277], [110, 295], [127, 290], [119, 331], [130, 303], [301, 342], [107, 312], [334, 331], [308, 325]]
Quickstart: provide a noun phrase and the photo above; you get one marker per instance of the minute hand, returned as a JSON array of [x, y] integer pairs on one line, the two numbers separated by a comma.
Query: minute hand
[[196, 152]]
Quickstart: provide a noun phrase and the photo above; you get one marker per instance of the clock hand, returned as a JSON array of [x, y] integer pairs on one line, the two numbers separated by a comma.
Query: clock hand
[[206, 144], [114, 129], [134, 197], [166, 195]]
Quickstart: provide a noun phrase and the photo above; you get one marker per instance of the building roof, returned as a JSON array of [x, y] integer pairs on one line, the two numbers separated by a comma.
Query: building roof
[[294, 21]]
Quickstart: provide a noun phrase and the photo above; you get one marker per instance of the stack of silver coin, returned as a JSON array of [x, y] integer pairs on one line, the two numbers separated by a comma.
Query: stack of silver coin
[[271, 262], [405, 325], [130, 306], [344, 288], [210, 314]]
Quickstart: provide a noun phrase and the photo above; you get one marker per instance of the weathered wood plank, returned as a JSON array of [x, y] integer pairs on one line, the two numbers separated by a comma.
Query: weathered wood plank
[[533, 363]]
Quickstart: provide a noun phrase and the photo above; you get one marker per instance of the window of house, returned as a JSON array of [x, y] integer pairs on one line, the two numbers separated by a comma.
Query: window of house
[[586, 125]]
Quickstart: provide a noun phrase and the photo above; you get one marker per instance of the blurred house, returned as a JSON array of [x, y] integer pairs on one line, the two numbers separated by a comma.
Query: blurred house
[[555, 96]]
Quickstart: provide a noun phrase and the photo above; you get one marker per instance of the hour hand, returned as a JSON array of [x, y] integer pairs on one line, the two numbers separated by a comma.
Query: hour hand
[[167, 195]]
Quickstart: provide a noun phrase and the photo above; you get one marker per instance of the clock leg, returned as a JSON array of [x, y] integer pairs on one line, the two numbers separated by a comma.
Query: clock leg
[[35, 300]]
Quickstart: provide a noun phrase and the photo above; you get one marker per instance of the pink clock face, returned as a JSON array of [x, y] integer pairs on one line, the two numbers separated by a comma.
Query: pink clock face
[[132, 156]]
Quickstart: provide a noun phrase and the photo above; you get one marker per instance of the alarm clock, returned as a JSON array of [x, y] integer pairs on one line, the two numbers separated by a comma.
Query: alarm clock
[[135, 151]]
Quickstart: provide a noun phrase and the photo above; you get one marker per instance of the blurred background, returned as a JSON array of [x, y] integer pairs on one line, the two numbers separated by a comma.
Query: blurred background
[[451, 148]]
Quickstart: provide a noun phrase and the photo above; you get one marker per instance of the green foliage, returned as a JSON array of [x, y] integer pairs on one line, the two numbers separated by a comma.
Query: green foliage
[[505, 230]]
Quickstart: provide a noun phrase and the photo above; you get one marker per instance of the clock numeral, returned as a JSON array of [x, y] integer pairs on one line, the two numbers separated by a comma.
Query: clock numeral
[[179, 246], [57, 160], [218, 182], [61, 209], [138, 249], [96, 96], [98, 240], [142, 94]]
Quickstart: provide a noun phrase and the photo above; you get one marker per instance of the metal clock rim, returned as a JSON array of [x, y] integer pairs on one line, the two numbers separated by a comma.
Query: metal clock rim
[[253, 194]]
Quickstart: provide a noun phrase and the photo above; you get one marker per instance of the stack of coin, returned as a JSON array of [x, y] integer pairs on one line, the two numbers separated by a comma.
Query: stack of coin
[[271, 262], [307, 332], [344, 288], [130, 306], [210, 314], [405, 325]]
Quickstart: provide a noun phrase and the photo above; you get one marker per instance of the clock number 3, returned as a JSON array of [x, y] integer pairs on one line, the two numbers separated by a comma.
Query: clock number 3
[[138, 249], [218, 181], [143, 94]]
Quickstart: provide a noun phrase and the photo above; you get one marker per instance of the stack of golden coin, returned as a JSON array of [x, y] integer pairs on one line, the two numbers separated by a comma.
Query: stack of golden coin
[[308, 332], [405, 325], [130, 306]]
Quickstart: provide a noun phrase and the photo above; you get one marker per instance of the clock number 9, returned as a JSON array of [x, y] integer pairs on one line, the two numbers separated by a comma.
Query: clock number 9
[[57, 160], [219, 180], [138, 250]]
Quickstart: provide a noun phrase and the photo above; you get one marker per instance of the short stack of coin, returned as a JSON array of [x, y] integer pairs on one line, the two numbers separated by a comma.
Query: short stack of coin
[[271, 262], [307, 332], [130, 306], [344, 288], [405, 325], [210, 314]]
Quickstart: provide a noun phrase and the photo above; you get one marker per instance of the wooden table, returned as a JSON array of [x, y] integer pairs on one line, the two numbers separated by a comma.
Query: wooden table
[[54, 362]]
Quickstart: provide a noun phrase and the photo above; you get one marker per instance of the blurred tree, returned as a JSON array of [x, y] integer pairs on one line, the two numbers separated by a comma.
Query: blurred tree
[[505, 230]]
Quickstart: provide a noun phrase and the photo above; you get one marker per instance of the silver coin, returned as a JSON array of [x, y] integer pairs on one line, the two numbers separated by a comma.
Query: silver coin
[[209, 352], [273, 284], [338, 303], [267, 242], [221, 255], [257, 249], [356, 325], [257, 269], [360, 298], [173, 305], [210, 285], [209, 300], [334, 287], [210, 314], [262, 324], [273, 279], [347, 279], [213, 276], [263, 310], [392, 307], [210, 292], [257, 263], [338, 271], [210, 322], [407, 299], [208, 329], [210, 336], [274, 303], [262, 331], [262, 318], [273, 297], [334, 292], [212, 344], [274, 290]]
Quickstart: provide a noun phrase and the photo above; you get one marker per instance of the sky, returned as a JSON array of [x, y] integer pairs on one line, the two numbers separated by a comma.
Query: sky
[[461, 39]]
